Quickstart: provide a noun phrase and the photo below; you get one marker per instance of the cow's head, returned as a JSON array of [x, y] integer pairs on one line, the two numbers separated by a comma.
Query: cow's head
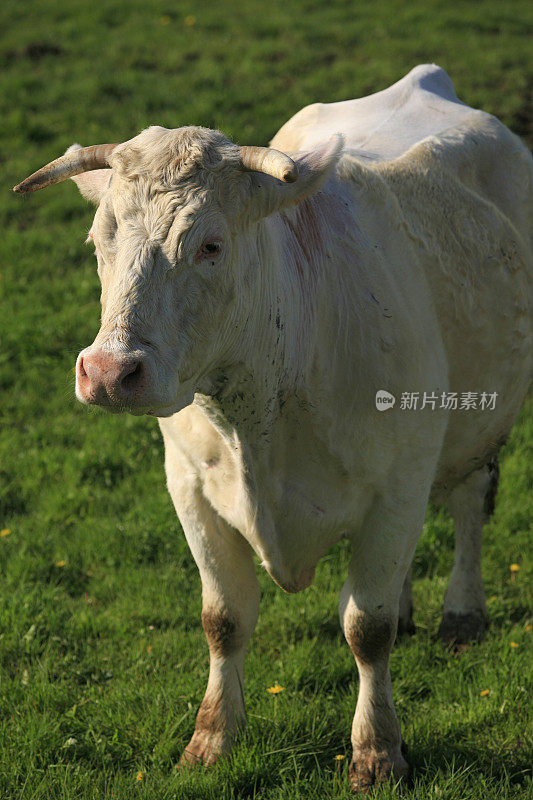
[[178, 250]]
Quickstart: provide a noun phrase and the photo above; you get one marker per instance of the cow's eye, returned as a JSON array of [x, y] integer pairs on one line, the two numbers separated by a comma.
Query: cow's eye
[[210, 249]]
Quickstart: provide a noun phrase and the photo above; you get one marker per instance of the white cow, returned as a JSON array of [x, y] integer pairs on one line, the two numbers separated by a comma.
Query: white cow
[[257, 304]]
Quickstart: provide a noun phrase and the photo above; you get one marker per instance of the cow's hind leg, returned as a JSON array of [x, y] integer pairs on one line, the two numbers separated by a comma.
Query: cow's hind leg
[[230, 606], [464, 616], [406, 626]]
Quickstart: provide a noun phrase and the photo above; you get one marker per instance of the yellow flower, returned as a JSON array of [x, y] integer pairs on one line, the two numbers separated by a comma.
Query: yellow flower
[[484, 692], [140, 776], [276, 689], [340, 757], [514, 644], [149, 648], [165, 20], [5, 532], [515, 567], [61, 563], [528, 628], [189, 20]]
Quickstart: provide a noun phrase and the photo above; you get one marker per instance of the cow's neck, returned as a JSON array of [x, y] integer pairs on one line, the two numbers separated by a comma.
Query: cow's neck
[[277, 356]]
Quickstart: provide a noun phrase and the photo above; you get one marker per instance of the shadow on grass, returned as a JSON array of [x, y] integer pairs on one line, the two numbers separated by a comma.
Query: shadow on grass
[[436, 762], [447, 754]]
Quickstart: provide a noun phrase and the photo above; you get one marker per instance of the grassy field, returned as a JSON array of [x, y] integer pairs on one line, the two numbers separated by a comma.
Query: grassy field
[[102, 656]]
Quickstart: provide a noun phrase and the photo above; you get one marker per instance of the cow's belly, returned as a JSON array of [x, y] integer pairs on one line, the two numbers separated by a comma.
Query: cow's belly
[[489, 345], [494, 365]]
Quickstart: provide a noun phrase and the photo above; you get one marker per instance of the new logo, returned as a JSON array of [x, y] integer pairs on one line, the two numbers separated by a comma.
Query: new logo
[[384, 400]]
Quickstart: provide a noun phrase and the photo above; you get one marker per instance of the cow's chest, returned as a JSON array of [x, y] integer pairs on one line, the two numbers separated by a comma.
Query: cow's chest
[[290, 515], [291, 497]]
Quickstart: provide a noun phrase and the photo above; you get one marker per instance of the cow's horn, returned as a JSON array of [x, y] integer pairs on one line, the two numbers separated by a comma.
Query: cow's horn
[[72, 163], [269, 161]]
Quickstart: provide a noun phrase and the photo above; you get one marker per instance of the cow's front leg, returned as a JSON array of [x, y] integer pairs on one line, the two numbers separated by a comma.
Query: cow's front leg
[[230, 600], [230, 605], [369, 615], [376, 737]]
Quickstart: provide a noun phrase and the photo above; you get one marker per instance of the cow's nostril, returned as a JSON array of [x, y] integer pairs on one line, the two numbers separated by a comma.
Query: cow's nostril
[[131, 380], [81, 368]]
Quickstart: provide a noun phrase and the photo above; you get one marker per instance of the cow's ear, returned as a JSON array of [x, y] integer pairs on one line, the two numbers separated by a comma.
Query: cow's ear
[[92, 184], [314, 168]]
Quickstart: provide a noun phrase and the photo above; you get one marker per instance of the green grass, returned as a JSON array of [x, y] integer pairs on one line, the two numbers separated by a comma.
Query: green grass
[[84, 703]]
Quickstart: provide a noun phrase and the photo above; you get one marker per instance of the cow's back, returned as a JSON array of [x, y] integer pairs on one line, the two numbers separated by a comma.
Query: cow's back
[[383, 125], [421, 111]]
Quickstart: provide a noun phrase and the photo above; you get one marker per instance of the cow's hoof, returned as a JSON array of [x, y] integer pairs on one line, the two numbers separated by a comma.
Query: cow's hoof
[[370, 768], [406, 627], [463, 628], [204, 748]]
